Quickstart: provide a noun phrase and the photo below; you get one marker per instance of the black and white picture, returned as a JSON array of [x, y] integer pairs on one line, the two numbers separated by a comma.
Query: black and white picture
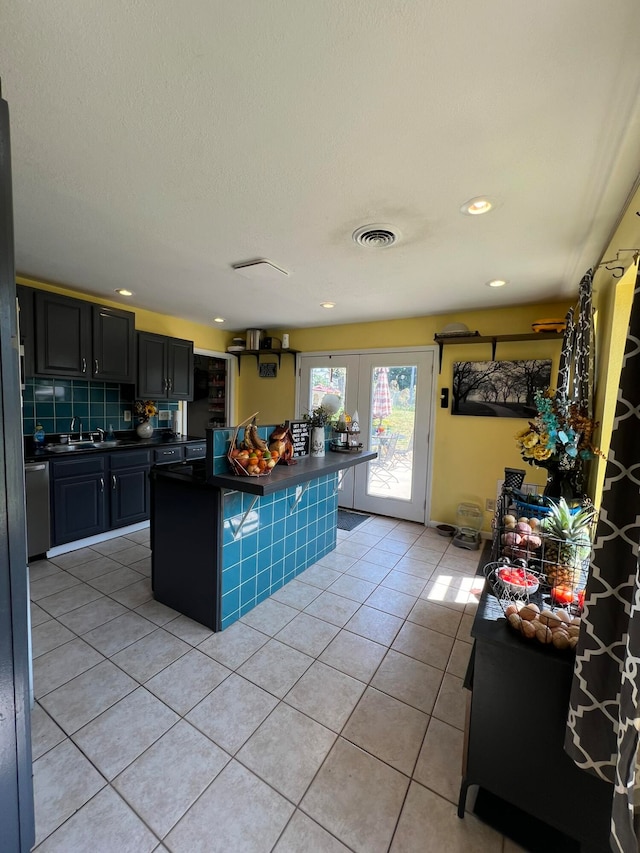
[[499, 389]]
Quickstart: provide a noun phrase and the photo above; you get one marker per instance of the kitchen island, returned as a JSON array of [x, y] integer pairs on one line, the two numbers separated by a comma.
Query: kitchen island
[[221, 543]]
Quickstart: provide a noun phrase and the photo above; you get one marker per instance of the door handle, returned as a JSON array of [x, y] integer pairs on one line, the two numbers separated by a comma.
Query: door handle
[[96, 365], [114, 482], [101, 485], [84, 365]]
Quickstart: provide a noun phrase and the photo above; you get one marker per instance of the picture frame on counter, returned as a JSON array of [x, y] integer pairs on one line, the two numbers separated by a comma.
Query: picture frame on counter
[[301, 434]]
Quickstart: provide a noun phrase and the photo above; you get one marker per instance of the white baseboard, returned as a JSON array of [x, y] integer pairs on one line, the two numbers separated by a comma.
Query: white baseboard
[[93, 540]]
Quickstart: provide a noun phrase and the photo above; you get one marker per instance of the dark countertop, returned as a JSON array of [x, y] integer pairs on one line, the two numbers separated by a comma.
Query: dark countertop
[[130, 441], [282, 477]]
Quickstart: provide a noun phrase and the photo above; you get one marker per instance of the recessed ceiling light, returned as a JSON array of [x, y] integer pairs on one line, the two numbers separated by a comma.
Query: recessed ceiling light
[[123, 292], [497, 282], [476, 206], [327, 304], [218, 319]]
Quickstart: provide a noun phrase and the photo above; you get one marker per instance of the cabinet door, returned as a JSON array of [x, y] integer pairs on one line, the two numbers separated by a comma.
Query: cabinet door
[[63, 335], [152, 366], [27, 328], [79, 507], [113, 344], [129, 499], [180, 369]]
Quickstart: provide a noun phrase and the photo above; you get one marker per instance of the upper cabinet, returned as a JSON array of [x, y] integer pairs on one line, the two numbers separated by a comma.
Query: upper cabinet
[[82, 339], [165, 367], [26, 303]]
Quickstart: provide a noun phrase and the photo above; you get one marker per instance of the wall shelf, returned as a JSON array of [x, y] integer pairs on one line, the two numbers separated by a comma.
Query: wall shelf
[[493, 340], [259, 352]]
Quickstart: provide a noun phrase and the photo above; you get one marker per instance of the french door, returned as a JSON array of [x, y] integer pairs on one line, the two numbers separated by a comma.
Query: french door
[[392, 393]]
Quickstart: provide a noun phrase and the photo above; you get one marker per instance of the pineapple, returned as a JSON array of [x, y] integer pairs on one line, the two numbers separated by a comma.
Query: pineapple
[[567, 543]]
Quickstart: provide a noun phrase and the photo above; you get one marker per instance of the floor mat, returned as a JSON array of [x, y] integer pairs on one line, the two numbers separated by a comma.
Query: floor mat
[[348, 520]]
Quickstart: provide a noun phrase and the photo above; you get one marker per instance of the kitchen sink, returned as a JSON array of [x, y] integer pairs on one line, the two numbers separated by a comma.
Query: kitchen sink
[[83, 445]]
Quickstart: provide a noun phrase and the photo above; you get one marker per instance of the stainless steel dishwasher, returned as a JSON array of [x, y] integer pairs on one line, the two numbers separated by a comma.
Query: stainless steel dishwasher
[[36, 476]]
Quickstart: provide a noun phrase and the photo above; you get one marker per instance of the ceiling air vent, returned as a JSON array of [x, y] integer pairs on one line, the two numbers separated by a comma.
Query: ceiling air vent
[[375, 236]]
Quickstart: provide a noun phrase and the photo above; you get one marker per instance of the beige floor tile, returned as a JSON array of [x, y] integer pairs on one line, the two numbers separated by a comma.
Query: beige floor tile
[[62, 664], [394, 546], [430, 824], [459, 660], [451, 703], [326, 695], [75, 558], [187, 681], [143, 566], [352, 549], [232, 712], [303, 834], [354, 655], [189, 630], [445, 595], [220, 821], [151, 654], [433, 540], [275, 667], [105, 823], [123, 732], [403, 582], [382, 558], [47, 636], [337, 560], [119, 633], [458, 580], [169, 777], [38, 615], [351, 587], [308, 634], [332, 608], [136, 552], [417, 568], [464, 629], [424, 555], [110, 546], [89, 616], [368, 571], [320, 576], [287, 750], [391, 601], [269, 617], [141, 537], [95, 568], [435, 616], [233, 646], [69, 599], [85, 697], [423, 644], [115, 580], [387, 728], [134, 595], [156, 612], [296, 594], [374, 625], [357, 798], [55, 799], [41, 569], [365, 538], [439, 764], [401, 535], [409, 680], [51, 584], [45, 733]]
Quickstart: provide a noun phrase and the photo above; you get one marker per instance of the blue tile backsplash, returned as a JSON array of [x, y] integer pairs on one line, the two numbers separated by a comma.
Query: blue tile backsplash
[[53, 402]]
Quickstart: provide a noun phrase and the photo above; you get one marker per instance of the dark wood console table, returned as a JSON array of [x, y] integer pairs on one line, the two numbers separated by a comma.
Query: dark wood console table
[[519, 696]]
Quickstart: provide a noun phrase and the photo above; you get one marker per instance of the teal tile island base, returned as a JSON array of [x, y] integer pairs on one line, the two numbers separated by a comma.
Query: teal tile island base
[[221, 544]]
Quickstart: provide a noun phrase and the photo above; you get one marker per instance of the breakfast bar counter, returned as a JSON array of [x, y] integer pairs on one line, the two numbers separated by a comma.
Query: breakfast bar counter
[[221, 543]]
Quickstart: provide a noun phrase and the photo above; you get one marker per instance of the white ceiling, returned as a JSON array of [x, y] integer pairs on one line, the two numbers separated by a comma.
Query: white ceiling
[[157, 142]]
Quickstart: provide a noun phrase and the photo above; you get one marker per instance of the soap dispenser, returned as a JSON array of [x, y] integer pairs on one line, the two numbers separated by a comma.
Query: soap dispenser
[[38, 435], [110, 435]]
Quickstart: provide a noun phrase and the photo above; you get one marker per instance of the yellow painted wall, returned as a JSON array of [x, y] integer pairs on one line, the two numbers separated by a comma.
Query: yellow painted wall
[[205, 337], [470, 453]]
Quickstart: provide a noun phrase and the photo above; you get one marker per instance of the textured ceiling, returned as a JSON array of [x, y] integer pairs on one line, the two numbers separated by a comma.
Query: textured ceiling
[[155, 143]]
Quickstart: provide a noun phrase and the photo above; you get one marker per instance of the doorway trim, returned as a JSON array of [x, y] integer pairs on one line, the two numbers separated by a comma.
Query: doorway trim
[[230, 388], [432, 408]]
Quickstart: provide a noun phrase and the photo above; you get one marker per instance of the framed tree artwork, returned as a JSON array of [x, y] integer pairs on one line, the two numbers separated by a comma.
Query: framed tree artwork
[[498, 389]]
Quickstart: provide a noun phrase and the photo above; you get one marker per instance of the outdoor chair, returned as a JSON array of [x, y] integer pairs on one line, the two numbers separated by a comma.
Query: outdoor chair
[[403, 456], [380, 469]]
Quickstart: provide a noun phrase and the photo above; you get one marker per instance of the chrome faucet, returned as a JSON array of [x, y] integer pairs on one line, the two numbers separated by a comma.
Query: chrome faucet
[[100, 433], [72, 425]]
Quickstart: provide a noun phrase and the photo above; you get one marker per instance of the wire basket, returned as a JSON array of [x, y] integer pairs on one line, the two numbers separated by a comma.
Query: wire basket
[[244, 466]]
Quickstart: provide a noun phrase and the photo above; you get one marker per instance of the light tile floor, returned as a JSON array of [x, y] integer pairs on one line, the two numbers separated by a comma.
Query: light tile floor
[[328, 719]]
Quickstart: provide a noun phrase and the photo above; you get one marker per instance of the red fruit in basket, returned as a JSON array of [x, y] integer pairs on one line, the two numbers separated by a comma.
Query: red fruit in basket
[[518, 577], [562, 594], [581, 599]]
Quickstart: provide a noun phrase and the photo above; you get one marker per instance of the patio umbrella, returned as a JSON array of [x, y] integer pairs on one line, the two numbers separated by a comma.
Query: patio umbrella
[[381, 401], [604, 713]]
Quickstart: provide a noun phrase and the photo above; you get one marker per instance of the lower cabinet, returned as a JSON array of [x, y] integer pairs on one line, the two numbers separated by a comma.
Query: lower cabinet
[[129, 487]]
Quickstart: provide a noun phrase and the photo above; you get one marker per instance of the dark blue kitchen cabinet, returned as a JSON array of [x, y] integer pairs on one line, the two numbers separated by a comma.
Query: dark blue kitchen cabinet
[[81, 339], [129, 487], [165, 368], [79, 498]]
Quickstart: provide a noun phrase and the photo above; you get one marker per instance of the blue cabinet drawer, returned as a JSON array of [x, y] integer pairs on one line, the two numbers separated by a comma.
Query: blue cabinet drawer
[[90, 464], [195, 451], [168, 454], [129, 459]]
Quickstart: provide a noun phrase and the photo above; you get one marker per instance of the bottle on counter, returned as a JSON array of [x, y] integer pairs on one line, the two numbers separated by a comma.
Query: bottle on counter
[[110, 433], [38, 435]]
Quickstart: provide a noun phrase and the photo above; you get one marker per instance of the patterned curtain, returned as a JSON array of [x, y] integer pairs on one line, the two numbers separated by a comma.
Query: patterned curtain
[[603, 726]]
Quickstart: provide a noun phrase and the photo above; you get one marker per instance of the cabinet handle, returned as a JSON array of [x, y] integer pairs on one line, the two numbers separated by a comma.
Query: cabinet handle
[[168, 453], [84, 365], [170, 385], [97, 368], [113, 481], [102, 485]]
